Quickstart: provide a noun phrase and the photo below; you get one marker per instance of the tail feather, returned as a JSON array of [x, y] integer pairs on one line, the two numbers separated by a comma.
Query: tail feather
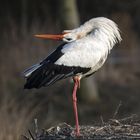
[[30, 70], [43, 77], [55, 79], [49, 73], [34, 80]]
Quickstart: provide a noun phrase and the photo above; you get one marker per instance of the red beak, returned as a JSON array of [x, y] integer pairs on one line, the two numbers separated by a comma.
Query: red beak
[[49, 36]]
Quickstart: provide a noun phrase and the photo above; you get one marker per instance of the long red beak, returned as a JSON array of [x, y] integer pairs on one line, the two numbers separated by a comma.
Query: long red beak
[[50, 36]]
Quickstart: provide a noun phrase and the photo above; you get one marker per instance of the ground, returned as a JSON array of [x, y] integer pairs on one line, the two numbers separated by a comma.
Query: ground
[[124, 129], [123, 96]]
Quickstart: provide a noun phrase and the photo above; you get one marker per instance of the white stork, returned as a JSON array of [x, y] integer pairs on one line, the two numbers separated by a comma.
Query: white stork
[[83, 52]]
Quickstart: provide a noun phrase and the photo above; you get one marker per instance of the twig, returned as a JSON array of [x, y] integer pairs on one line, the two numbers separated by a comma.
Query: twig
[[31, 135], [100, 129], [117, 109], [130, 119], [36, 127], [25, 137], [102, 120]]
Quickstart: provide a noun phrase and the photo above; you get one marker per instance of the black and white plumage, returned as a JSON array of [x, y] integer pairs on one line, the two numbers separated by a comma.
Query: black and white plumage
[[48, 71], [85, 50]]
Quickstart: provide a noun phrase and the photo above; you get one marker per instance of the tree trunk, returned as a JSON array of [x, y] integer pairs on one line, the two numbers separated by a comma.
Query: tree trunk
[[24, 17], [69, 15]]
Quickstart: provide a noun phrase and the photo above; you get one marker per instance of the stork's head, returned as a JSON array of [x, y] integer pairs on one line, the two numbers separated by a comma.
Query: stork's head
[[102, 28]]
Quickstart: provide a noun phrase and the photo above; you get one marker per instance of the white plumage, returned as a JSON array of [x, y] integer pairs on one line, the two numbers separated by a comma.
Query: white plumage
[[98, 36]]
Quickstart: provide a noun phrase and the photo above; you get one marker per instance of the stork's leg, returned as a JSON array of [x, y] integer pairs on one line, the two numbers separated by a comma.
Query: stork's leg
[[76, 85]]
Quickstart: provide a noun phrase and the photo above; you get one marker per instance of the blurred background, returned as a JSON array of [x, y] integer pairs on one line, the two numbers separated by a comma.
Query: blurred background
[[117, 82]]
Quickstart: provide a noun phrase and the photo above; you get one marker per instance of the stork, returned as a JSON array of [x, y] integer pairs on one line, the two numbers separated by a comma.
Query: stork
[[83, 51]]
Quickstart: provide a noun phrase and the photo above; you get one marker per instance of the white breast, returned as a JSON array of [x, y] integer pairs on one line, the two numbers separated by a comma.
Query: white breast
[[86, 52]]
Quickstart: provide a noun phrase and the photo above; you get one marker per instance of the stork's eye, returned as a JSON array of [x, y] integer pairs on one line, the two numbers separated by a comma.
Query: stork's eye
[[89, 32], [68, 39]]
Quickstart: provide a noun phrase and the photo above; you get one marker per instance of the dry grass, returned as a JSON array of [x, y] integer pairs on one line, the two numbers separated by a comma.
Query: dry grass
[[14, 119], [126, 128], [17, 52]]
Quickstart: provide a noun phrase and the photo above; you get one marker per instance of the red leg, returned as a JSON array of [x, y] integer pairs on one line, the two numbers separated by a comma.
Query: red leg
[[76, 85]]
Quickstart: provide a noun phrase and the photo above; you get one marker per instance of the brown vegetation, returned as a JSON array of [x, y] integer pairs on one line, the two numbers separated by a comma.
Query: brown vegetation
[[127, 128]]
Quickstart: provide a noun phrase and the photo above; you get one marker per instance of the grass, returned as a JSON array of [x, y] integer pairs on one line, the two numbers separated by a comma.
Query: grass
[[17, 52], [14, 119]]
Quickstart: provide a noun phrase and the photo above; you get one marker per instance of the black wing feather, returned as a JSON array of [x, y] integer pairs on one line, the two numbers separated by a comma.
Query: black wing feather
[[49, 73], [53, 57]]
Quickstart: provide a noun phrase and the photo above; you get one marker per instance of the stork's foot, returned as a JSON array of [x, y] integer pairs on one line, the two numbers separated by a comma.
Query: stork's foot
[[77, 132]]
